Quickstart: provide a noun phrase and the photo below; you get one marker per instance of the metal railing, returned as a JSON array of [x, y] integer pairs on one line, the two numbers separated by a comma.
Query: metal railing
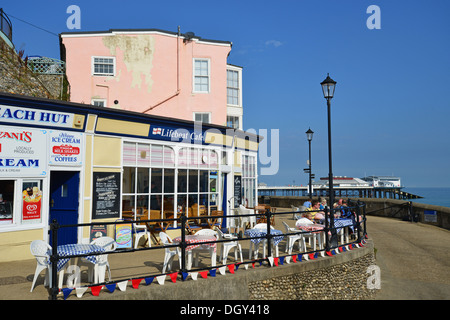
[[357, 208]]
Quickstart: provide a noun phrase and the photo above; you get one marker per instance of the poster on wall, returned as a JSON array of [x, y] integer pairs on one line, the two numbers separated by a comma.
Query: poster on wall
[[23, 152], [106, 195], [31, 208], [237, 191], [124, 235], [66, 148], [97, 231]]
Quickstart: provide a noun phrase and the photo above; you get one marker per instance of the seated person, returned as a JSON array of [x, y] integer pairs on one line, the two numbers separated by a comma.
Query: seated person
[[305, 220]]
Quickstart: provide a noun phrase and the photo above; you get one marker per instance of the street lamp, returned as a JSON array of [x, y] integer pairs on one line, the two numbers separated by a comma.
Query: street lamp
[[328, 86], [309, 136]]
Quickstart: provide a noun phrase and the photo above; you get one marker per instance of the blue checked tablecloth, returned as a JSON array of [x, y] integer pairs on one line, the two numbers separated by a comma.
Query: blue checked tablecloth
[[75, 249], [340, 223], [262, 233]]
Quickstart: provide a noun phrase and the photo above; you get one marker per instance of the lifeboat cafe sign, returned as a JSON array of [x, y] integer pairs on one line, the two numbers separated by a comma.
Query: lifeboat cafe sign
[[22, 152]]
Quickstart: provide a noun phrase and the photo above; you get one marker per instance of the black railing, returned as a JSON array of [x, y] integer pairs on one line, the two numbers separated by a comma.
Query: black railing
[[359, 225]]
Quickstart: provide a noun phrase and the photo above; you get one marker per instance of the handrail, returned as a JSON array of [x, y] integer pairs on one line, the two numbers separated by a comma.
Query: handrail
[[5, 24], [54, 227]]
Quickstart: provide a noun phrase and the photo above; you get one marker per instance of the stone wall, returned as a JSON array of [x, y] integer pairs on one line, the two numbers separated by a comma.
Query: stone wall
[[346, 281]]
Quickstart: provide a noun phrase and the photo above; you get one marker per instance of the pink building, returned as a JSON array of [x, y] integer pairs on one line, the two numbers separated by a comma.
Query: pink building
[[155, 72]]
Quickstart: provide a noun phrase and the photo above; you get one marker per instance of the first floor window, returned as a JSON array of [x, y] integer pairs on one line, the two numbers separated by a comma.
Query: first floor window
[[103, 66], [202, 117], [201, 75]]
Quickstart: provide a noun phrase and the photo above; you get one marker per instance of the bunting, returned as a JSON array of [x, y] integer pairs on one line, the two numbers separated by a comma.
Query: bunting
[[232, 268]]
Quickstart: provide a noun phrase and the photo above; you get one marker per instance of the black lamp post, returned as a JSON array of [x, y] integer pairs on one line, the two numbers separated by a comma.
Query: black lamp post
[[328, 86], [309, 136]]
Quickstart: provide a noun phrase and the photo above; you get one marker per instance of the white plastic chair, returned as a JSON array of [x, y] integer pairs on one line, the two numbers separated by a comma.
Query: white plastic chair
[[169, 253], [41, 250], [227, 246], [96, 272], [139, 231], [109, 244], [251, 220], [293, 238], [263, 242], [211, 250]]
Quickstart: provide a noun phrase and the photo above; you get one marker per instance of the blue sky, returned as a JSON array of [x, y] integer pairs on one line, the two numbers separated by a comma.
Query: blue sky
[[390, 113]]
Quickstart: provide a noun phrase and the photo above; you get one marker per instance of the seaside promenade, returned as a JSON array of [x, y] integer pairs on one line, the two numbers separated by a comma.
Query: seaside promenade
[[414, 261]]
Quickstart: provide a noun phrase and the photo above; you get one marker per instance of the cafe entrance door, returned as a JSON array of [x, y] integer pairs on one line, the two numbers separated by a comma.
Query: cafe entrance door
[[64, 203]]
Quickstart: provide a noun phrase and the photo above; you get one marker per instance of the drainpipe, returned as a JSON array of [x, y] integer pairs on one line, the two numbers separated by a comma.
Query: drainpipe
[[178, 77]]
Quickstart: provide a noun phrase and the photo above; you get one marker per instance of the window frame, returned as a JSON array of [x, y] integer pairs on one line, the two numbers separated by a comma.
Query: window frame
[[93, 63], [194, 75]]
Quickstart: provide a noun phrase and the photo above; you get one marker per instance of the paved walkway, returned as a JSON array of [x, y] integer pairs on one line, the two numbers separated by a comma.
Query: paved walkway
[[414, 260]]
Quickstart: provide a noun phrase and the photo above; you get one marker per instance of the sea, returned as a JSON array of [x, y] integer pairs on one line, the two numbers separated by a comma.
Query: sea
[[434, 196]]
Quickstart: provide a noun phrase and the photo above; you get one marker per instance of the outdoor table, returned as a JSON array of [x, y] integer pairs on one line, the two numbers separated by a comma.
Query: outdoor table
[[313, 228], [262, 233], [198, 241], [343, 223], [76, 249]]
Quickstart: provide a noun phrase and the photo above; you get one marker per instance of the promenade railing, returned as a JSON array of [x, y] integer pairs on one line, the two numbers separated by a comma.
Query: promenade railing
[[359, 226]]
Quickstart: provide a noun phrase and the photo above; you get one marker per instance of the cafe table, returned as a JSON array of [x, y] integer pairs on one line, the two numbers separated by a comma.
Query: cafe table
[[345, 224], [262, 232], [196, 243], [315, 230], [77, 249]]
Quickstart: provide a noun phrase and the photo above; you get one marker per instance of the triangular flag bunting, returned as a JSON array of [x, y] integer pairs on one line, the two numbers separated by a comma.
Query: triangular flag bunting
[[231, 268], [204, 274], [161, 279], [294, 258], [306, 257], [96, 290], [270, 260], [135, 283], [111, 287], [66, 292], [246, 266], [149, 280], [80, 291], [340, 249], [288, 259], [212, 272], [222, 270], [194, 275], [237, 266], [275, 261], [184, 275], [329, 253], [253, 265], [282, 260], [316, 255], [122, 285], [311, 256], [173, 276]]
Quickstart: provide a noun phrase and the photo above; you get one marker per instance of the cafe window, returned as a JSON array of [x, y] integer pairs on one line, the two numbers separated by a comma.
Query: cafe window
[[20, 201], [151, 181]]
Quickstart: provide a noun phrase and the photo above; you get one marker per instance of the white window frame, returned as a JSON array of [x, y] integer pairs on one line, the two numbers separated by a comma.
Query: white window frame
[[237, 89], [202, 113], [194, 76], [99, 100], [113, 74]]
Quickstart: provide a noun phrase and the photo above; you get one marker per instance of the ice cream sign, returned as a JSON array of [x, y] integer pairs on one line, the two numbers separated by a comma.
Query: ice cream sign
[[66, 148], [22, 151]]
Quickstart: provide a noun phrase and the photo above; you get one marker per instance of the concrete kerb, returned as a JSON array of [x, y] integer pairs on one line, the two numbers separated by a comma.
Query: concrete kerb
[[229, 286]]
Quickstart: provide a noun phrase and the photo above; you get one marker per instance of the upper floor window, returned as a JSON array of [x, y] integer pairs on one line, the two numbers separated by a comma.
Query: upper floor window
[[232, 87], [233, 122], [103, 66], [201, 75], [202, 117]]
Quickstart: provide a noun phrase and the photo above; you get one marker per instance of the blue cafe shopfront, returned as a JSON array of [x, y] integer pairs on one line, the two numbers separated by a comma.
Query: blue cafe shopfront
[[80, 163]]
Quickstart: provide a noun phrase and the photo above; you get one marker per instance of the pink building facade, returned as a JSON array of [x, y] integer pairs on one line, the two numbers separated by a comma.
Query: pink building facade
[[155, 72]]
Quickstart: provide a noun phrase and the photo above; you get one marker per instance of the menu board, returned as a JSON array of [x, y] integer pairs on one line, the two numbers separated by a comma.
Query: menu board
[[106, 195], [237, 191]]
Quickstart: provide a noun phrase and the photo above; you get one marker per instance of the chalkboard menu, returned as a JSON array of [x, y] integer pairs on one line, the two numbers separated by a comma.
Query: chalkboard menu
[[106, 195], [237, 191]]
